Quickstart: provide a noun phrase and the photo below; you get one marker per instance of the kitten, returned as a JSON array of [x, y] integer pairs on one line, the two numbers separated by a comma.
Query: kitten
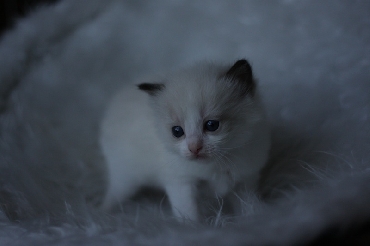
[[202, 123]]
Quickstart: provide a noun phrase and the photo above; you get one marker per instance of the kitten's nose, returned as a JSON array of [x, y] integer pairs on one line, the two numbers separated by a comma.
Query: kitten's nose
[[195, 148]]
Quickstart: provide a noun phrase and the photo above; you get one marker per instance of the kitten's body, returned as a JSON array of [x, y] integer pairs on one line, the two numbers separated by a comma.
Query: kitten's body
[[141, 150]]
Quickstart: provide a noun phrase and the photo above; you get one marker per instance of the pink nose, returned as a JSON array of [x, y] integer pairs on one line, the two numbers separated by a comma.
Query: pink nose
[[195, 148]]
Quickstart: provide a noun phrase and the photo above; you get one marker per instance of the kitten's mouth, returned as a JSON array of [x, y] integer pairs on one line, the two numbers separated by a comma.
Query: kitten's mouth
[[198, 157]]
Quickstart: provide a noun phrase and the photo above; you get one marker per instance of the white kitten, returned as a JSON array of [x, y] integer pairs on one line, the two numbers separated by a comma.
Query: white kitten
[[202, 123]]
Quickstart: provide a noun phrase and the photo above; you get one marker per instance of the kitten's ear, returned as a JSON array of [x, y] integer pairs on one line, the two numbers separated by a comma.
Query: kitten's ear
[[241, 72], [151, 88]]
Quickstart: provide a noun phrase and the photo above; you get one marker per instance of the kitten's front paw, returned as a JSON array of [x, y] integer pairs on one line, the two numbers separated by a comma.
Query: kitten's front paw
[[222, 184], [183, 201]]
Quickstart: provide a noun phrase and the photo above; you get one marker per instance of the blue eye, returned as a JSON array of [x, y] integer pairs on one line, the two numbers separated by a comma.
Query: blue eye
[[177, 131], [212, 125]]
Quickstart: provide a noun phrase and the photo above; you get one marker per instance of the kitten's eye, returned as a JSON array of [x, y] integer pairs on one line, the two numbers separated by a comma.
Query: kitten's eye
[[212, 125], [177, 131]]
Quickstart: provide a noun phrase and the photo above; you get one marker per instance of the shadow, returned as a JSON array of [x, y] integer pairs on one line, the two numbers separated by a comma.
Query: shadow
[[11, 10]]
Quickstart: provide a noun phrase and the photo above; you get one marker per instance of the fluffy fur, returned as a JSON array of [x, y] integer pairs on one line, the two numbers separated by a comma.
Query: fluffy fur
[[59, 66], [141, 150]]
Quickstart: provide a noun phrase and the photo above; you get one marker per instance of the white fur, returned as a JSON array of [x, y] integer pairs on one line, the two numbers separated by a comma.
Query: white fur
[[312, 59], [140, 149]]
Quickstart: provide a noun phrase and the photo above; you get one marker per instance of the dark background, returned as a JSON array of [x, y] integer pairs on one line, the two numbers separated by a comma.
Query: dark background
[[10, 10]]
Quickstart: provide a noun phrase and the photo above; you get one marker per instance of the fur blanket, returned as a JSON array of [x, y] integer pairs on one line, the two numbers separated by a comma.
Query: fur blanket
[[60, 65]]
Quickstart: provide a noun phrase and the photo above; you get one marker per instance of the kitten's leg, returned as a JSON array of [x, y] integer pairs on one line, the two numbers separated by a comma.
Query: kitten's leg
[[183, 200]]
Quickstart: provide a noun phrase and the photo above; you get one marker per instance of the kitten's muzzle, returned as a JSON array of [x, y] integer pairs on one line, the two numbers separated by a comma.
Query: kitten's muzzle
[[195, 147]]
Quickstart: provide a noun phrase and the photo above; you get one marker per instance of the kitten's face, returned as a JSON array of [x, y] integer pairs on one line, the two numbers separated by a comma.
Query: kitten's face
[[198, 132], [205, 112]]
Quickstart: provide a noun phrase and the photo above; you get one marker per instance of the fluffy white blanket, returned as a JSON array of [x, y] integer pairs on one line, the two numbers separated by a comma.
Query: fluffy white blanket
[[59, 66]]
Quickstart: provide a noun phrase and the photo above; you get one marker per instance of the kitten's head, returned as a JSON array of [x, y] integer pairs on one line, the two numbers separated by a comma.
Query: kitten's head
[[207, 111]]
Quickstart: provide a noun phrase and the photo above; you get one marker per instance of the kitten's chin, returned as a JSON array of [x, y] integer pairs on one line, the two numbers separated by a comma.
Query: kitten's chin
[[199, 157]]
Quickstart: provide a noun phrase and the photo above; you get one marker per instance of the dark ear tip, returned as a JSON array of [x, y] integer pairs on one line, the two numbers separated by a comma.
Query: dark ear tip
[[243, 63], [241, 67], [151, 88], [241, 73], [143, 86]]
